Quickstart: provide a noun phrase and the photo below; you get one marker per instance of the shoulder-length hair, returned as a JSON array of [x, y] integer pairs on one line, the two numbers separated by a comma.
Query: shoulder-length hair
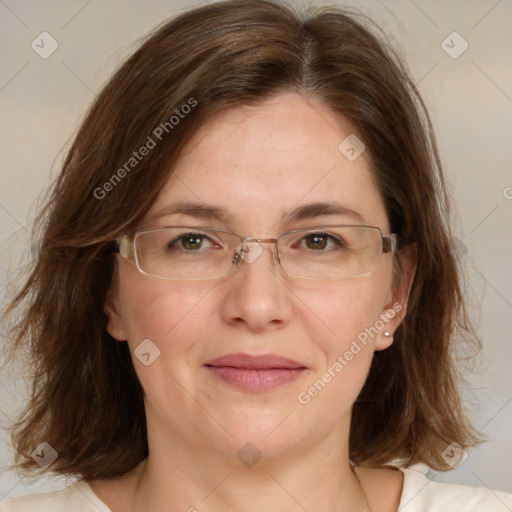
[[86, 400]]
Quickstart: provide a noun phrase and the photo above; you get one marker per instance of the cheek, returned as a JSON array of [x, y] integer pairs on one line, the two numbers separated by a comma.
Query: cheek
[[339, 312], [345, 315], [158, 310], [171, 315]]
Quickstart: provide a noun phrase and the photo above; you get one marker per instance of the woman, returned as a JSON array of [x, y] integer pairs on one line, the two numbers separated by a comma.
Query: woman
[[245, 291]]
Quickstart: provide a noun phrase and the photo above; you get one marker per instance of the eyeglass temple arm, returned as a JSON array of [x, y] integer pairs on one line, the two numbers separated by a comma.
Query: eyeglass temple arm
[[393, 243], [124, 246]]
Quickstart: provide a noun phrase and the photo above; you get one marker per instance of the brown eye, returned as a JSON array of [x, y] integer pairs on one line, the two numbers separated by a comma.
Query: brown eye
[[316, 241], [188, 242], [319, 241]]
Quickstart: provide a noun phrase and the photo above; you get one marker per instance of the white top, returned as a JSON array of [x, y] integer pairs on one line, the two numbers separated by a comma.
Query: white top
[[418, 495]]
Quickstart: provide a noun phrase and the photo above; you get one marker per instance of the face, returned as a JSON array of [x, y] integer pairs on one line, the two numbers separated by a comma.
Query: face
[[259, 163]]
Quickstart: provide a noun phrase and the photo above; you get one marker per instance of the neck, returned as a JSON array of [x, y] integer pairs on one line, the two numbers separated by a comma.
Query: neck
[[188, 477]]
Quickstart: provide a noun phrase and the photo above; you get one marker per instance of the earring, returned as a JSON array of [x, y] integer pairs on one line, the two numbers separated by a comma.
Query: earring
[[388, 334]]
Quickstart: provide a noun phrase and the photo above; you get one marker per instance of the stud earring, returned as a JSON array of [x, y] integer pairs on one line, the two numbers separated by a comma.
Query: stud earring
[[388, 334]]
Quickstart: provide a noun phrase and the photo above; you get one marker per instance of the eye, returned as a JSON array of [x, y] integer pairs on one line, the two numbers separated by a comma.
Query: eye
[[320, 241], [190, 242]]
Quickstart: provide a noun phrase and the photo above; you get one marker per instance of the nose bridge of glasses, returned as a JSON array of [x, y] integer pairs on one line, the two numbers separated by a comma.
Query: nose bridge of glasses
[[250, 249]]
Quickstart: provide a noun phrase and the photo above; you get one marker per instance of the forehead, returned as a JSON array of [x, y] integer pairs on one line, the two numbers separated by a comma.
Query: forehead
[[260, 162]]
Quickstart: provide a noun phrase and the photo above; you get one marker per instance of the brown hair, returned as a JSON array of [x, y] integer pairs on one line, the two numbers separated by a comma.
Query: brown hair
[[86, 400]]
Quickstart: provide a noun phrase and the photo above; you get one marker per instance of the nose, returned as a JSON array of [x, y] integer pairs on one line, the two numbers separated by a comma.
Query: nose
[[257, 296]]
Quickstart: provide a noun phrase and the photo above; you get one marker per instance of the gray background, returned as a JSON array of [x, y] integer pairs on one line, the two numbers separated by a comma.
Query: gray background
[[469, 97]]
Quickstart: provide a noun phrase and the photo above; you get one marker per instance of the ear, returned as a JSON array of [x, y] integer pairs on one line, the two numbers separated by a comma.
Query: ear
[[115, 325], [395, 309]]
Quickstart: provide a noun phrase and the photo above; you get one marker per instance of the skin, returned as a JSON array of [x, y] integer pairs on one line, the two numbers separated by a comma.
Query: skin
[[258, 162]]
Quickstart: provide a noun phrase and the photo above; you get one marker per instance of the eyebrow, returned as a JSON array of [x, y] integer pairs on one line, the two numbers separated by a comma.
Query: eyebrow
[[212, 212]]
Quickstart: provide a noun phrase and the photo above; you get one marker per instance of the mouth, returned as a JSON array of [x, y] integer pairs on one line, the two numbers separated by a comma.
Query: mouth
[[255, 373]]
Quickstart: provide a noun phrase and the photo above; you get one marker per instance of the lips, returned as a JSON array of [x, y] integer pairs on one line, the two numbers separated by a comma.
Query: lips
[[255, 373], [263, 362]]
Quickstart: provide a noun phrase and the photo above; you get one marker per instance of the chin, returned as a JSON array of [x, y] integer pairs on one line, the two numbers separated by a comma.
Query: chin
[[271, 431]]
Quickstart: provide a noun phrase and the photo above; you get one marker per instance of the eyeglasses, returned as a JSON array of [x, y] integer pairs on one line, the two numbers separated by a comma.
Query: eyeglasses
[[331, 252]]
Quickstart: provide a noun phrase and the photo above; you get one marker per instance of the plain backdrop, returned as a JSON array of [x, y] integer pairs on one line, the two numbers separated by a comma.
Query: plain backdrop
[[468, 93]]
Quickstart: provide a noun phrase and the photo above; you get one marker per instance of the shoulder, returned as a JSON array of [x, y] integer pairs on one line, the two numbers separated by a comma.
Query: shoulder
[[419, 494], [77, 497]]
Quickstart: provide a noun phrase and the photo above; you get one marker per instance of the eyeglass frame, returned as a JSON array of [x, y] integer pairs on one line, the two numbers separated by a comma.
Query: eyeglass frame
[[125, 246]]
